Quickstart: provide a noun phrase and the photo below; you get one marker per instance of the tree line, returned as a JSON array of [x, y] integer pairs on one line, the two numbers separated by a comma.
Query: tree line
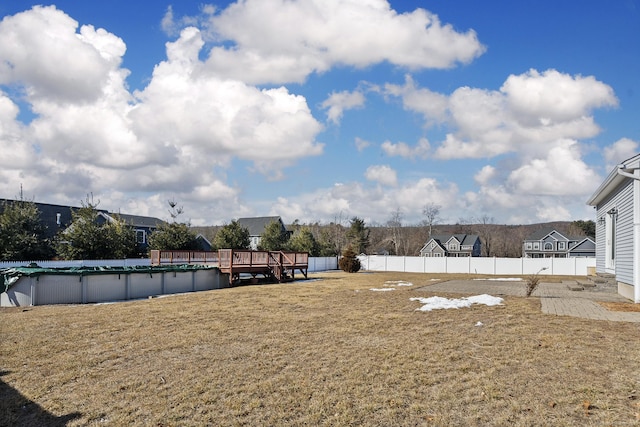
[[23, 237]]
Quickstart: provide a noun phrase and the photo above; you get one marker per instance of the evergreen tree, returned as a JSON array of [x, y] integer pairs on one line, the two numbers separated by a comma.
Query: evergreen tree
[[349, 261], [358, 235], [91, 236], [304, 241], [274, 238], [173, 236], [22, 235], [327, 247], [588, 227], [232, 236]]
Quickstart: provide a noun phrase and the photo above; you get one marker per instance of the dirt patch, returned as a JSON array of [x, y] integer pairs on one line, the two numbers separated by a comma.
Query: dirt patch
[[627, 307]]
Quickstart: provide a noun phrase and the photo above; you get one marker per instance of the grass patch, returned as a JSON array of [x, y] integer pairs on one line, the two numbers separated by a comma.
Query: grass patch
[[317, 352]]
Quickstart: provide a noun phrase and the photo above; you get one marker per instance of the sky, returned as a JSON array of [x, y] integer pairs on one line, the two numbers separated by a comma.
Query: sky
[[319, 110]]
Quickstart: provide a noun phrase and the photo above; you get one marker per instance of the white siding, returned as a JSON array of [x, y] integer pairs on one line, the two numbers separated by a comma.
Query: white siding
[[621, 199], [624, 235]]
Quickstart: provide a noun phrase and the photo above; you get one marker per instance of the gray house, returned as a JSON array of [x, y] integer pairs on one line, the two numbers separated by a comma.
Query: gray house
[[550, 243], [617, 203], [452, 245], [142, 225], [56, 218], [257, 225]]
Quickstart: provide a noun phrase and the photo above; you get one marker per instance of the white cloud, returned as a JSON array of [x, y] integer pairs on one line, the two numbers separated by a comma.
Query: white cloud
[[561, 173], [372, 203], [172, 26], [620, 151], [433, 106], [338, 102], [15, 154], [553, 213], [402, 149], [307, 36], [530, 112], [486, 174], [361, 144], [382, 174], [90, 134], [553, 97], [34, 58]]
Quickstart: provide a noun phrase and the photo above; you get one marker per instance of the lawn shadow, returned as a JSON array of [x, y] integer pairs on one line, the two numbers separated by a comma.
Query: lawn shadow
[[16, 410]]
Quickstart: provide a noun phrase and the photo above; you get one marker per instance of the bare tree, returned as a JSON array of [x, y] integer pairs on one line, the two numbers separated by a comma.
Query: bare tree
[[431, 212], [486, 234], [394, 225], [174, 209]]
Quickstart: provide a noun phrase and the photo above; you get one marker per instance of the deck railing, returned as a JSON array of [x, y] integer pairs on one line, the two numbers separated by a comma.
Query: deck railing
[[183, 257]]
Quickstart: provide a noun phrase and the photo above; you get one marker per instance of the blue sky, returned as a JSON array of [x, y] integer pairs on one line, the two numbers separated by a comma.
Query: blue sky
[[319, 110]]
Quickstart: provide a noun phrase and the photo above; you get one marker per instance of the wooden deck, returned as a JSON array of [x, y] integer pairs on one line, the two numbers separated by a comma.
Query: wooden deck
[[276, 265]]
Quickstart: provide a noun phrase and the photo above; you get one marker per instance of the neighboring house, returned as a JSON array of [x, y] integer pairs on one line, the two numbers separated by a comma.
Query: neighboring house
[[617, 203], [142, 225], [550, 243], [56, 218], [257, 225], [452, 245], [203, 243]]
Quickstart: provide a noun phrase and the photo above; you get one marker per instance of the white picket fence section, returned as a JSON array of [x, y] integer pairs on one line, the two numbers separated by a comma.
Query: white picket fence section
[[479, 265], [315, 263]]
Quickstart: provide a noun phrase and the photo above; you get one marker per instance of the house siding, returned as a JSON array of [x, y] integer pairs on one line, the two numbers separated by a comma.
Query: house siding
[[621, 199], [624, 235]]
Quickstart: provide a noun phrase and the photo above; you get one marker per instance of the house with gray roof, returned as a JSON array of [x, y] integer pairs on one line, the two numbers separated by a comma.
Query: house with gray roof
[[142, 225], [452, 245], [56, 218], [257, 225], [617, 204], [550, 243]]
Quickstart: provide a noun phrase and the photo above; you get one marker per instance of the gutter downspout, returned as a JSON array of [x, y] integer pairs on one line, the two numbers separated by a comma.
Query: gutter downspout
[[636, 228]]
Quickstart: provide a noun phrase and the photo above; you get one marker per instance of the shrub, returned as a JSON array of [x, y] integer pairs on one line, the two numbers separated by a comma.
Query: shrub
[[533, 281], [349, 262]]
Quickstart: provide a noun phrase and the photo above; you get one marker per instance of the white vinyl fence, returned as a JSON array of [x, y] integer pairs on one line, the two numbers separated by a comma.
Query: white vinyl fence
[[315, 263], [477, 265]]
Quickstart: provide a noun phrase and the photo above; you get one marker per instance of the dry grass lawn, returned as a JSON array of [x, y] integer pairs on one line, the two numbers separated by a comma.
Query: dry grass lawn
[[325, 352]]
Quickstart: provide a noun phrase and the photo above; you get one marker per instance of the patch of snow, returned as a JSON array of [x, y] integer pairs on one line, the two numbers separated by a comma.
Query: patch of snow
[[479, 324], [397, 283], [382, 289], [438, 303], [504, 279]]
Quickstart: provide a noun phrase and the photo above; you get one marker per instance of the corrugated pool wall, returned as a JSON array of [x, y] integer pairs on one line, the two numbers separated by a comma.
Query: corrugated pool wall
[[78, 289]]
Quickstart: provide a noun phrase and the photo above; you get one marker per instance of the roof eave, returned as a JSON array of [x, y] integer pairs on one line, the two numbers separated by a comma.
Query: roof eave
[[613, 180]]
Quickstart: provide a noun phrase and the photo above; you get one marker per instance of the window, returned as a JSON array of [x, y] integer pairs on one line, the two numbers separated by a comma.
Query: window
[[529, 246], [561, 245], [548, 246], [536, 245], [141, 236]]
